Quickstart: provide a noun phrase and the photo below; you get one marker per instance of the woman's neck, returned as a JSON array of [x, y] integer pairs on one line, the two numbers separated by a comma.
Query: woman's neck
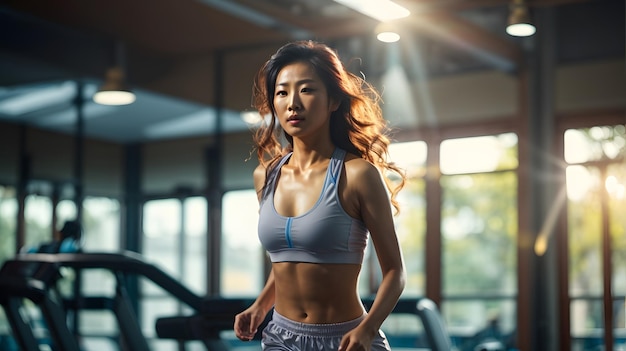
[[306, 155]]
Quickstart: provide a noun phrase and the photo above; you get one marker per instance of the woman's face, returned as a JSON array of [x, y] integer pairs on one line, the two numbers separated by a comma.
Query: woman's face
[[301, 100]]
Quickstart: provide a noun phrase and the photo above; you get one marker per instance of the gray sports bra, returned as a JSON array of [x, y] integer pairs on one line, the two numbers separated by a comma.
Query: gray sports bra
[[324, 234]]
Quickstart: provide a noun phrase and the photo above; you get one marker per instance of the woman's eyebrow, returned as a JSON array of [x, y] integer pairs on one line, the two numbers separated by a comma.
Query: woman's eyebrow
[[302, 81]]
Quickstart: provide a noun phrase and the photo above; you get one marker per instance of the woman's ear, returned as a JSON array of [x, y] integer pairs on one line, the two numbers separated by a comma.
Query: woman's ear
[[334, 104]]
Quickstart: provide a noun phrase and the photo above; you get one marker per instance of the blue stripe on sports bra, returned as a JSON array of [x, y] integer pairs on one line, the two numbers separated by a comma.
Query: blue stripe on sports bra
[[288, 232]]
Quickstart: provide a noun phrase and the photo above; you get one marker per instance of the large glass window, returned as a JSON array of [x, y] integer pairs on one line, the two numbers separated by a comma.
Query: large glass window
[[596, 180], [65, 211], [194, 244], [174, 239], [101, 224], [242, 254], [8, 216], [8, 222], [479, 235], [101, 233], [615, 185], [162, 226], [38, 218]]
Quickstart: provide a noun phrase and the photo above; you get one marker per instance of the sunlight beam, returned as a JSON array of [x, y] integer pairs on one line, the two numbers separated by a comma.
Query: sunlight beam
[[542, 241], [381, 10], [470, 37], [418, 67]]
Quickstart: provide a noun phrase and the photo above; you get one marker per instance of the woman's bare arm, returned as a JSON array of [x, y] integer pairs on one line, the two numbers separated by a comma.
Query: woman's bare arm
[[375, 211]]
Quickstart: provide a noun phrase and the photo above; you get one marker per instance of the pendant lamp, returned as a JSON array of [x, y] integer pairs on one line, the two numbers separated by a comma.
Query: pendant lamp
[[114, 90], [519, 24]]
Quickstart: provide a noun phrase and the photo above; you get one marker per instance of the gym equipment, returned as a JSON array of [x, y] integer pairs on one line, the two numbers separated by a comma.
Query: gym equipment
[[217, 315], [34, 276]]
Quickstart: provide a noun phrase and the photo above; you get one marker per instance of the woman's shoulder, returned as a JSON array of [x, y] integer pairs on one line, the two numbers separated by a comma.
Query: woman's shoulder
[[259, 170], [356, 167], [262, 170], [258, 176]]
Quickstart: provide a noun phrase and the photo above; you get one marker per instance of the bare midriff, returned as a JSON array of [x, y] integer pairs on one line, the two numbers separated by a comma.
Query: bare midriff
[[317, 293]]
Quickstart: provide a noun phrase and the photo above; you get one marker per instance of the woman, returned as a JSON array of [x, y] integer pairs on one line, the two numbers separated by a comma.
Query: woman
[[319, 197]]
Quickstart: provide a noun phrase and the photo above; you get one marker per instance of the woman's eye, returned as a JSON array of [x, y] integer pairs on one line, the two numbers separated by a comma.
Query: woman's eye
[[281, 93]]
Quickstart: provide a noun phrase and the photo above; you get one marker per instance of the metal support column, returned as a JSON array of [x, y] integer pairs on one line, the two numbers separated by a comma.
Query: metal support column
[[544, 181], [79, 151], [213, 161], [79, 160]]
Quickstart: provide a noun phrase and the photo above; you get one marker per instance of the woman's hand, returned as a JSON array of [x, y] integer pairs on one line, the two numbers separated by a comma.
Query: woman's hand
[[247, 322], [357, 339]]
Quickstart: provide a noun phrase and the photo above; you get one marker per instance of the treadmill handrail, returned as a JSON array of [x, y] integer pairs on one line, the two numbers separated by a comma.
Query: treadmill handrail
[[33, 290], [126, 262]]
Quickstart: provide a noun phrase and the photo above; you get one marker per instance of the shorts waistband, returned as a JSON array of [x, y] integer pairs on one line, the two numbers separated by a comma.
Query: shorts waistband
[[326, 329]]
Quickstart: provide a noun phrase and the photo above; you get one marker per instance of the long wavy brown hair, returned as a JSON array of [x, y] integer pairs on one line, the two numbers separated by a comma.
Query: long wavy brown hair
[[357, 126]]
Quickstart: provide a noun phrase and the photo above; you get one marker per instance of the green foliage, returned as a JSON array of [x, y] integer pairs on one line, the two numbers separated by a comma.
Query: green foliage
[[479, 225], [617, 228], [606, 147], [411, 230], [7, 224], [584, 226], [7, 239]]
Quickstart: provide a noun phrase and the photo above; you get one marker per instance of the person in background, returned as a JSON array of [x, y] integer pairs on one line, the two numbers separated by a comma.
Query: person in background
[[66, 240], [324, 188]]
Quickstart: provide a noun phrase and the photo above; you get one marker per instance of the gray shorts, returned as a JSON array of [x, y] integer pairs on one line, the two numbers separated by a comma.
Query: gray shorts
[[286, 335]]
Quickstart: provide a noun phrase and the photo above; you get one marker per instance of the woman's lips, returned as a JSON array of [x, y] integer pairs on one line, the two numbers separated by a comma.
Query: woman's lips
[[294, 119]]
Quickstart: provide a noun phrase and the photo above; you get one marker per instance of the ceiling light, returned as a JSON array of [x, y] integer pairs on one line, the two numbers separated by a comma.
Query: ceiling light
[[519, 20], [387, 33], [114, 90], [382, 10], [23, 100]]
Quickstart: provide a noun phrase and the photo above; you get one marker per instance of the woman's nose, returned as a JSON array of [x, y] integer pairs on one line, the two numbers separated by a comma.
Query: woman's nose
[[294, 103]]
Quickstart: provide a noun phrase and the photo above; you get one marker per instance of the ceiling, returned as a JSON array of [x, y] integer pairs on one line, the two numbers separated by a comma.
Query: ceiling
[[52, 49]]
